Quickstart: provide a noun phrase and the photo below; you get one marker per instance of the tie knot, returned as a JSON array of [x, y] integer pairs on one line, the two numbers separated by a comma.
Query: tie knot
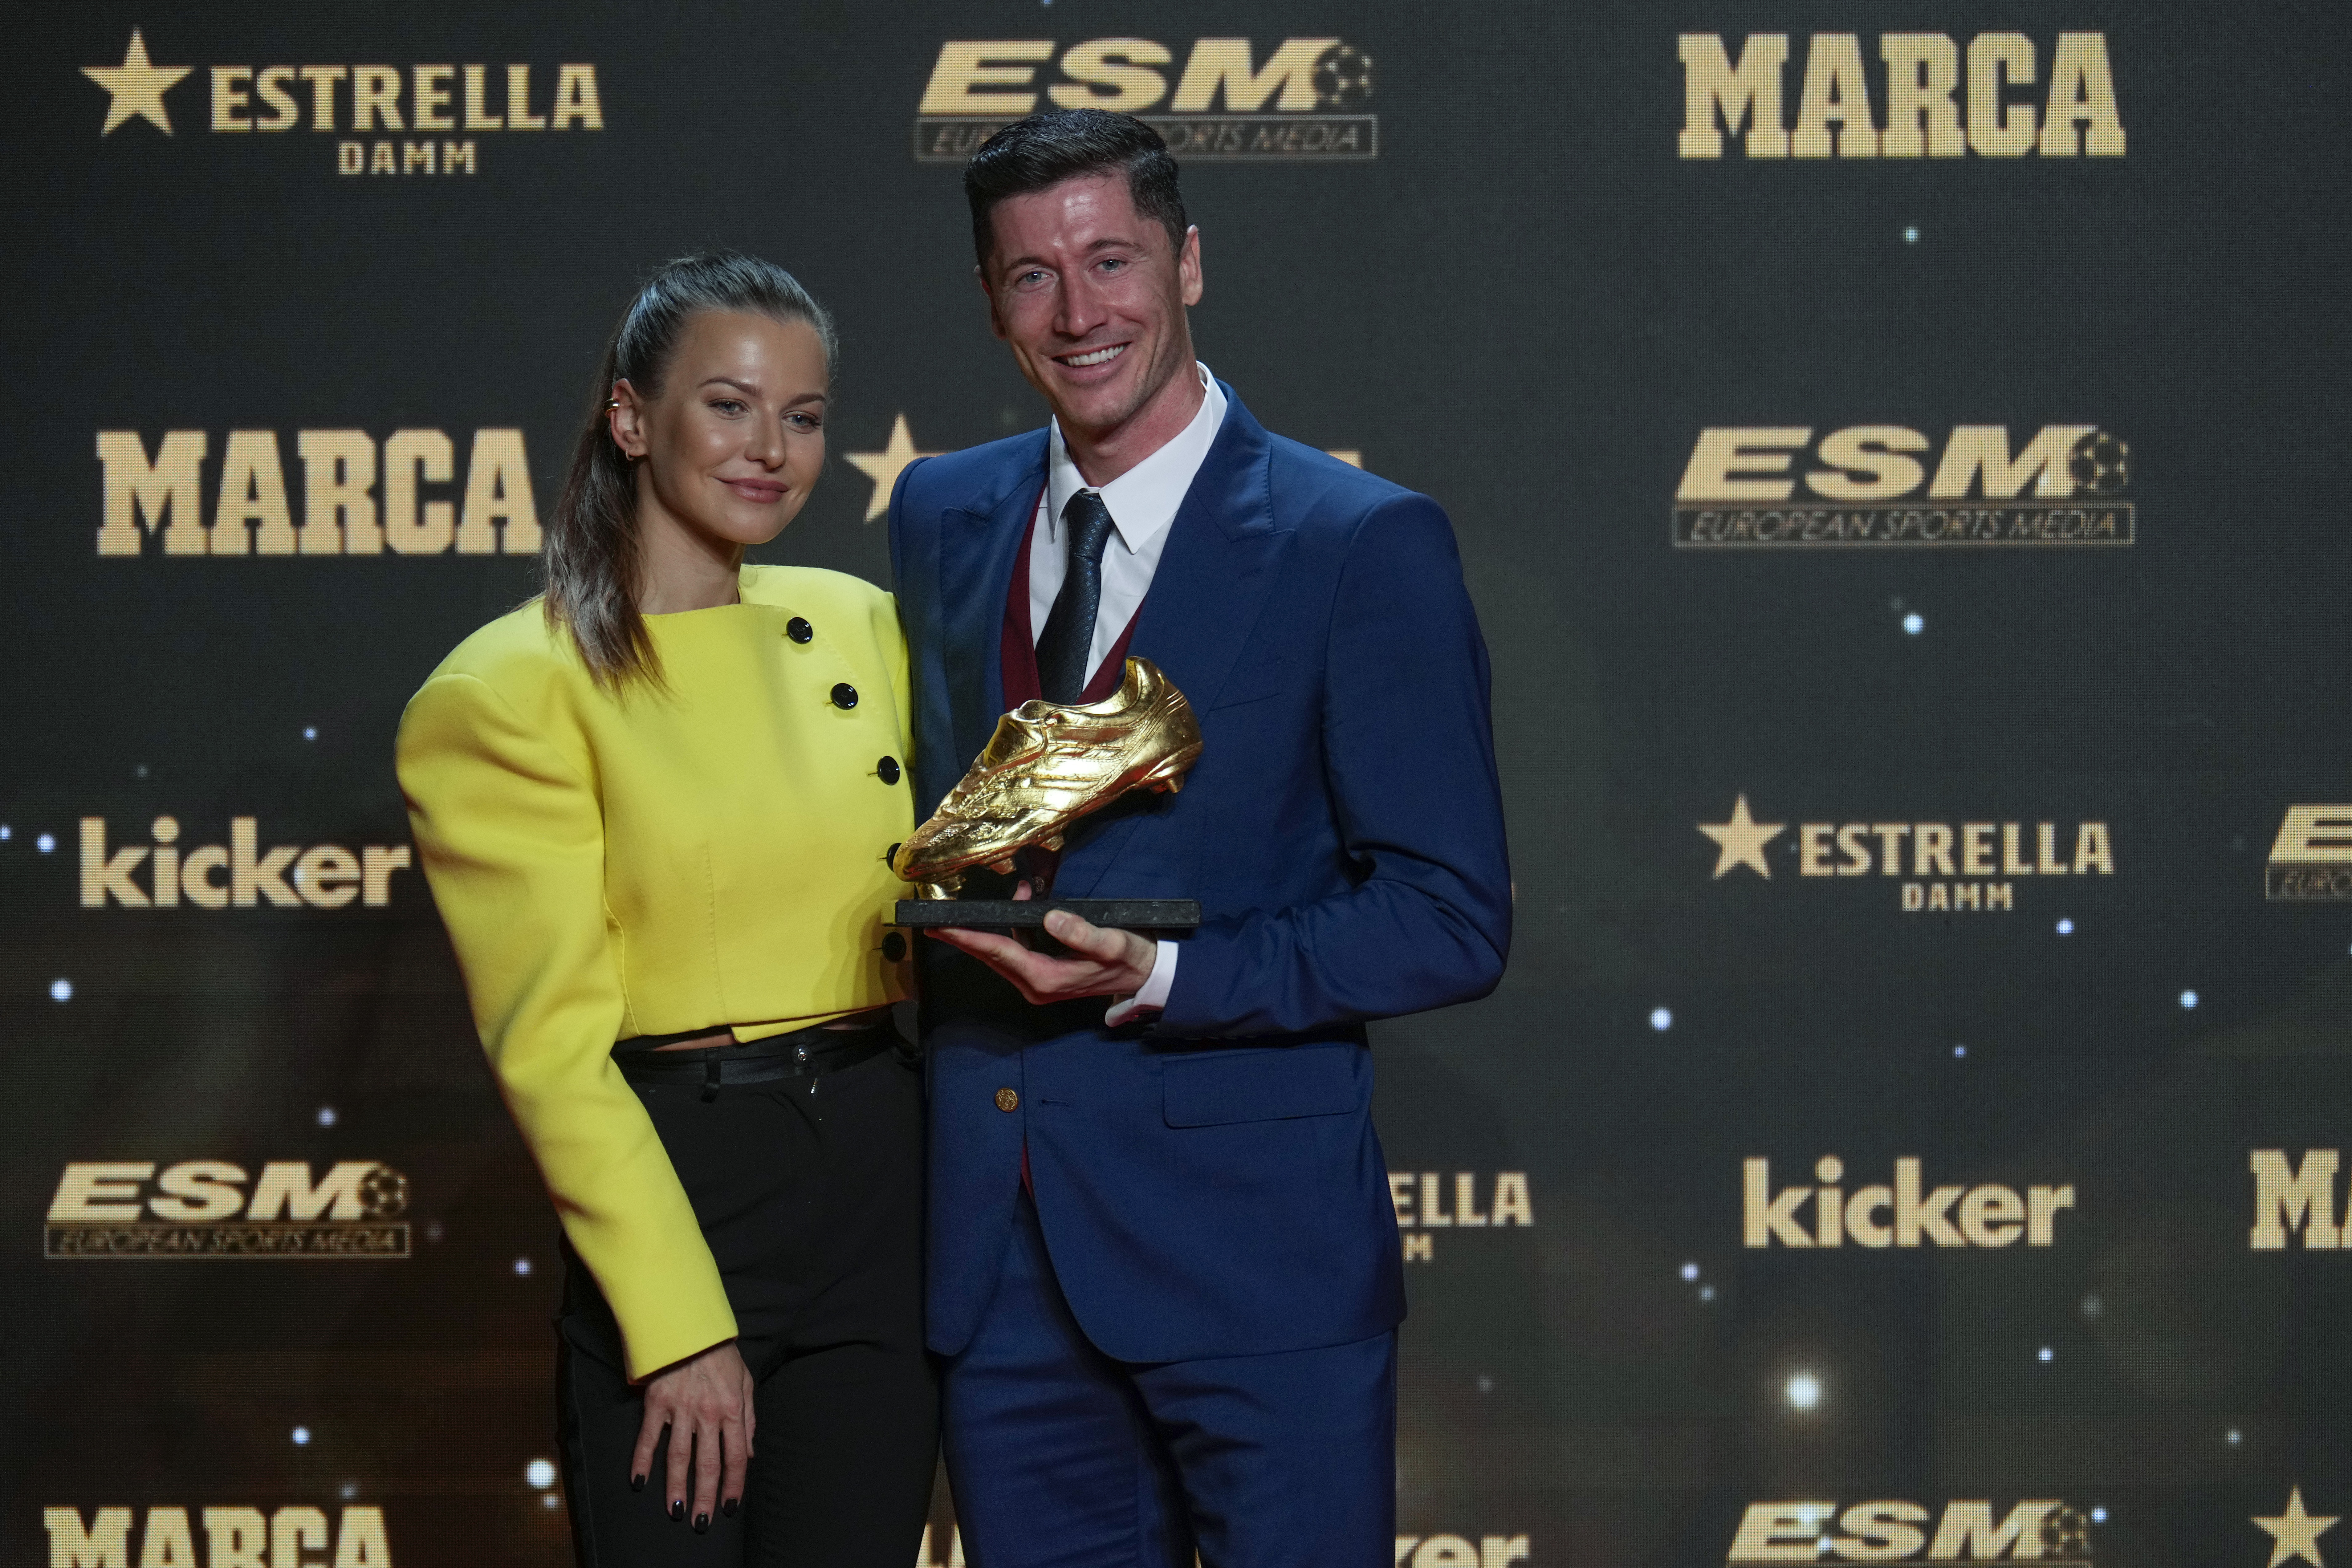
[[1088, 521]]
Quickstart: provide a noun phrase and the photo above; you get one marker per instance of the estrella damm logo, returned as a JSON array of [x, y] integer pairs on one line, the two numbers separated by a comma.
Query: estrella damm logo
[[1940, 867], [1782, 487], [1430, 1201], [2311, 860], [1921, 101], [238, 875], [233, 1537], [437, 111], [203, 1209], [2039, 1530], [945, 1549], [359, 497], [1304, 98], [1904, 1212]]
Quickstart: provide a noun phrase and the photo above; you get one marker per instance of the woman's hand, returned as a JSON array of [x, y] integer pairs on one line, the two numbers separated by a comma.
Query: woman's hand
[[707, 1402]]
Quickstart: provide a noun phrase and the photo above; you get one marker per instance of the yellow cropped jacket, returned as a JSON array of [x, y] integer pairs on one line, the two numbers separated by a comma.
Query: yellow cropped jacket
[[705, 854]]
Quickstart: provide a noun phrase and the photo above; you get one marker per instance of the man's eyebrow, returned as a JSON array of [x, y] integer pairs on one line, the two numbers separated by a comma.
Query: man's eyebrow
[[1107, 242]]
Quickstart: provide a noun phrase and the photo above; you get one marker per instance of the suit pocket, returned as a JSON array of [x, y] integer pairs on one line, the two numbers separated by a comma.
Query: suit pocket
[[1217, 1088]]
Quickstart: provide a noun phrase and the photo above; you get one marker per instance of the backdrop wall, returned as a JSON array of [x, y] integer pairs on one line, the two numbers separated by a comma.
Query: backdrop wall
[[1896, 454]]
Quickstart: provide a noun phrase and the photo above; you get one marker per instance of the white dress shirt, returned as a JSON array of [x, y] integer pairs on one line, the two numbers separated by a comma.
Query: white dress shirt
[[1143, 503]]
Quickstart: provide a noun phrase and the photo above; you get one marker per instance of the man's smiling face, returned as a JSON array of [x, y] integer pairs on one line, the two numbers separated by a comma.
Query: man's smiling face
[[1091, 296]]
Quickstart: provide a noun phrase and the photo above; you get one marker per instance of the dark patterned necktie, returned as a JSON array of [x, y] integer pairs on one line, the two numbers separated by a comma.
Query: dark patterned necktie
[[1069, 635]]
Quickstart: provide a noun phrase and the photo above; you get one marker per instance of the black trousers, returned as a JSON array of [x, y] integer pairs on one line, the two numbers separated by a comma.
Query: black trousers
[[810, 1192]]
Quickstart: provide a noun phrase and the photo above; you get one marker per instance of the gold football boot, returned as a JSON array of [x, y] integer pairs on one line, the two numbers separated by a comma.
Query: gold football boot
[[1047, 765]]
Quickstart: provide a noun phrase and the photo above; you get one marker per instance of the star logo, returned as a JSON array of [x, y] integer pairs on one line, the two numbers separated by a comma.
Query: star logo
[[2295, 1533], [885, 466], [1741, 841], [137, 86]]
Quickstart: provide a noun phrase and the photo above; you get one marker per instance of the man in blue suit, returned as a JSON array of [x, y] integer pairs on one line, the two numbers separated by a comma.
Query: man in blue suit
[[1164, 1272]]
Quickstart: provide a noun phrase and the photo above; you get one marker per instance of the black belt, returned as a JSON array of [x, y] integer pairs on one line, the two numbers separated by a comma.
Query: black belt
[[809, 1053]]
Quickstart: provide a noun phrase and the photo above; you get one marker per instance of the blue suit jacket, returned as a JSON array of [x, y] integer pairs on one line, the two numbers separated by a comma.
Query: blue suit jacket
[[1211, 1186]]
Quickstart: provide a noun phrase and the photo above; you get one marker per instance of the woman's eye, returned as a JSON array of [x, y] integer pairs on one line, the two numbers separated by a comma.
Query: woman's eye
[[726, 406], [805, 421]]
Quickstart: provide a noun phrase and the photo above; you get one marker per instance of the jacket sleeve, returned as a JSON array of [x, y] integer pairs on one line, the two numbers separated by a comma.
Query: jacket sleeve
[[1409, 764], [512, 842]]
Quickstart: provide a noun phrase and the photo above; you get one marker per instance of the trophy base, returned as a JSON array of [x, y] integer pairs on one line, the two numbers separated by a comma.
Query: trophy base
[[1004, 914]]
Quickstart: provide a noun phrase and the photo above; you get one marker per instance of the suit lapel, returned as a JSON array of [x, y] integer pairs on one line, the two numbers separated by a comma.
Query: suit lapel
[[977, 547], [1223, 553]]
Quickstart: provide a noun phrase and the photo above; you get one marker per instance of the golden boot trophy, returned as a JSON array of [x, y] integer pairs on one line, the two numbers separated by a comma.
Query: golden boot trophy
[[1047, 765]]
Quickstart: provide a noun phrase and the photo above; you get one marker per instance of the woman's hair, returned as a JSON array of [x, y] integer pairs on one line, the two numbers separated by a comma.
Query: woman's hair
[[590, 553]]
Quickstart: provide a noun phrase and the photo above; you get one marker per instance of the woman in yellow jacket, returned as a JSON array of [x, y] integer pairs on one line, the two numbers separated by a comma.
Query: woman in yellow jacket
[[655, 808]]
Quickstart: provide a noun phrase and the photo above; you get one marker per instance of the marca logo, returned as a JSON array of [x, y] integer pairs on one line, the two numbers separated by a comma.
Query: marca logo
[[200, 1209], [1427, 1202], [2312, 857], [1868, 485], [2043, 1530], [1920, 89], [2291, 1198], [345, 511], [261, 101], [324, 876], [234, 1538], [1901, 1215], [1300, 100], [1963, 858]]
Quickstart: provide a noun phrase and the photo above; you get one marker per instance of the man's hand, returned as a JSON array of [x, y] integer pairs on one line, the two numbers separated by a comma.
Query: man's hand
[[1103, 961]]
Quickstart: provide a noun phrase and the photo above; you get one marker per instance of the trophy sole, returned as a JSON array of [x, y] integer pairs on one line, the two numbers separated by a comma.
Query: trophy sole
[[1003, 914]]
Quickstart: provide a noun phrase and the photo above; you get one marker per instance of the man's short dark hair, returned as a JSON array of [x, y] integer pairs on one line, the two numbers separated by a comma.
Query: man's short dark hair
[[1042, 151]]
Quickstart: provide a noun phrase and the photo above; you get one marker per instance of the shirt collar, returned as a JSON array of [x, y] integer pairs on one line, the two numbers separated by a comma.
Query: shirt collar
[[1143, 500]]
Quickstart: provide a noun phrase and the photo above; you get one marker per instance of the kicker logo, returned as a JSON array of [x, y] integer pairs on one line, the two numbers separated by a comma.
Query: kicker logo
[[1939, 101], [206, 1208], [2043, 1530], [238, 875], [1751, 487], [1904, 1214]]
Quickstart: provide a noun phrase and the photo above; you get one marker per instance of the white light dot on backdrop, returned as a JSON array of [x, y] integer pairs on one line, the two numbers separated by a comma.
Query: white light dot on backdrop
[[522, 1265], [1690, 1270], [2065, 927], [1915, 623], [1804, 1391], [1911, 235], [1485, 1384], [551, 1500], [310, 732], [2098, 1516], [2091, 1306], [2188, 998], [540, 1473], [1661, 1019], [45, 843], [326, 1115], [2233, 1436], [433, 1231], [6, 833], [1959, 1051], [301, 1437], [2047, 1354], [1706, 1292], [348, 1490], [60, 990]]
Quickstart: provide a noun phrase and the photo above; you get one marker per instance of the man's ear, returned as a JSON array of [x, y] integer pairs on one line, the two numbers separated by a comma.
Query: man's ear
[[1188, 266], [995, 322]]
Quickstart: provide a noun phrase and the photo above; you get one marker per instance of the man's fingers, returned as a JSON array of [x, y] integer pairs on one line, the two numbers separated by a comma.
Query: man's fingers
[[1083, 936]]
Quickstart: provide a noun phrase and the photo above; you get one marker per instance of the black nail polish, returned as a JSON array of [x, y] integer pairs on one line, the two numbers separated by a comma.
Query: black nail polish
[[677, 1508], [636, 1483], [730, 1506], [702, 1524]]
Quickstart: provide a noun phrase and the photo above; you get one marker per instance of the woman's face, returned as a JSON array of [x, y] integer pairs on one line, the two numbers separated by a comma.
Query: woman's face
[[731, 448]]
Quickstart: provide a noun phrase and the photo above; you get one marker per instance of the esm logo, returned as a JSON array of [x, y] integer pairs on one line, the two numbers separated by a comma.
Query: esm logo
[[2311, 860], [1838, 107], [1302, 98], [1747, 487], [204, 1209], [2043, 1530]]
